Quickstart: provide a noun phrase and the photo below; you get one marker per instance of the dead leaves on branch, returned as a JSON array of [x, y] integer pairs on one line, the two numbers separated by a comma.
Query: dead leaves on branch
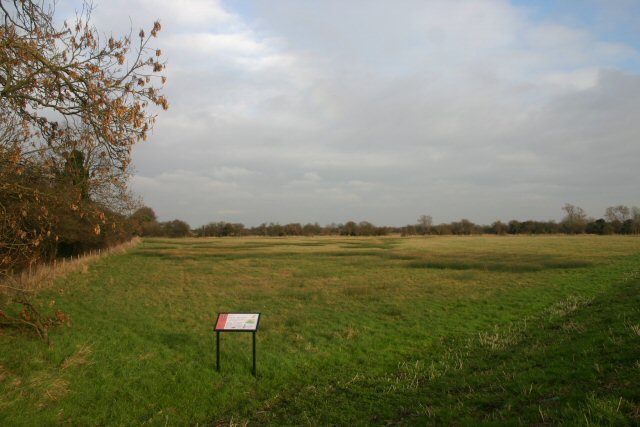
[[31, 314], [72, 105], [70, 73]]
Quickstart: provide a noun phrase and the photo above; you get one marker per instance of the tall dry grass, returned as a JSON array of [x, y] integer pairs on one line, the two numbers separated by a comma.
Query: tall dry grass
[[43, 275], [19, 305]]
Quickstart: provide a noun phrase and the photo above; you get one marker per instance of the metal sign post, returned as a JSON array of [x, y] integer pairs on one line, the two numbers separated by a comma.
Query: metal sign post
[[237, 322]]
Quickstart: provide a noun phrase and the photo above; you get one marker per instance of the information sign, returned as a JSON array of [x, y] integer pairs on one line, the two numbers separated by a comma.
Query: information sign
[[237, 322]]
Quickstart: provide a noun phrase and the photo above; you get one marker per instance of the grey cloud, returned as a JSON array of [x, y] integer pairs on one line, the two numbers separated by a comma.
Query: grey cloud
[[381, 111]]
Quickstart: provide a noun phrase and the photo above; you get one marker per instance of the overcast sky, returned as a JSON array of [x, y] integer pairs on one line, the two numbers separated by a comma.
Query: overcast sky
[[330, 111]]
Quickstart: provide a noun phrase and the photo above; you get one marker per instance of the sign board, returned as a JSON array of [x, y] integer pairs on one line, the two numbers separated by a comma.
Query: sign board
[[237, 322], [228, 322]]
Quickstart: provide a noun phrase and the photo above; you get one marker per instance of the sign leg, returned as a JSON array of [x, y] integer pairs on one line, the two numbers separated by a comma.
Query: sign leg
[[254, 354], [218, 351]]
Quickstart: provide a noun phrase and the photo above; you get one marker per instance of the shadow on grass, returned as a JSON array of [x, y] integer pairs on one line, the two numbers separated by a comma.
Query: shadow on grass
[[172, 242], [253, 245], [496, 262], [579, 365], [178, 256], [555, 369], [383, 249], [386, 244], [505, 265], [236, 255], [177, 340]]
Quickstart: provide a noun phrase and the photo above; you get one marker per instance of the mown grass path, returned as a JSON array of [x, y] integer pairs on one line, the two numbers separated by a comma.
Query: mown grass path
[[469, 330]]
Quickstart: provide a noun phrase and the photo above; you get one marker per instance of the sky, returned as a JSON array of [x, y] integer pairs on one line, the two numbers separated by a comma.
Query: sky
[[382, 111]]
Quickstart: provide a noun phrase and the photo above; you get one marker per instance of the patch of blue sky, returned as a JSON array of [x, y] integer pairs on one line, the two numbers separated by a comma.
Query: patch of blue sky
[[243, 8], [609, 21]]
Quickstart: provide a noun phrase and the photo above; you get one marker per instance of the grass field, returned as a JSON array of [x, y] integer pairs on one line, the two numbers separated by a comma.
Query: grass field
[[462, 330]]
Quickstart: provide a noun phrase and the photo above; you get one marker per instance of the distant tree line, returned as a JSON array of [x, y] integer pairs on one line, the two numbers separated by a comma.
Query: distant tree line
[[76, 234], [351, 228], [144, 222], [617, 220]]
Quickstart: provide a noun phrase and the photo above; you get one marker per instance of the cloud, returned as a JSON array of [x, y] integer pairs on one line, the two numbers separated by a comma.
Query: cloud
[[576, 80], [189, 13], [382, 111], [206, 44], [186, 15]]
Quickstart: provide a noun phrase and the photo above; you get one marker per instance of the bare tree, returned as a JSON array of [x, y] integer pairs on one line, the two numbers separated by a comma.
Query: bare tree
[[618, 213], [635, 217], [575, 220], [424, 223]]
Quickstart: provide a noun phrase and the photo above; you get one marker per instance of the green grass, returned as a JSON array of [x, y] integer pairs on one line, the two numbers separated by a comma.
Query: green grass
[[355, 331]]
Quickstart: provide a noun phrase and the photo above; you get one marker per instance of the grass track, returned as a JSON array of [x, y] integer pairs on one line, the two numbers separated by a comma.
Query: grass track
[[495, 330]]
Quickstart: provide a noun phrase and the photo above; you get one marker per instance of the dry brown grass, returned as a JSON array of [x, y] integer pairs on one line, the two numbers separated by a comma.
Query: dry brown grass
[[573, 327], [569, 305], [42, 276], [57, 389], [3, 373], [80, 357], [49, 386]]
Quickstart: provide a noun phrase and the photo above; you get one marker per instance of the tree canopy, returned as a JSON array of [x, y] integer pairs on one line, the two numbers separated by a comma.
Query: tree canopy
[[73, 102]]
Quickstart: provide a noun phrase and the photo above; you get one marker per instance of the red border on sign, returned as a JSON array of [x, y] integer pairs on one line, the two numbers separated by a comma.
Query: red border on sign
[[222, 321]]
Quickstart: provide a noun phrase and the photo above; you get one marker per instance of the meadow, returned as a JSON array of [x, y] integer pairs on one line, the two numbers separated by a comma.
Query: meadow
[[518, 330]]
